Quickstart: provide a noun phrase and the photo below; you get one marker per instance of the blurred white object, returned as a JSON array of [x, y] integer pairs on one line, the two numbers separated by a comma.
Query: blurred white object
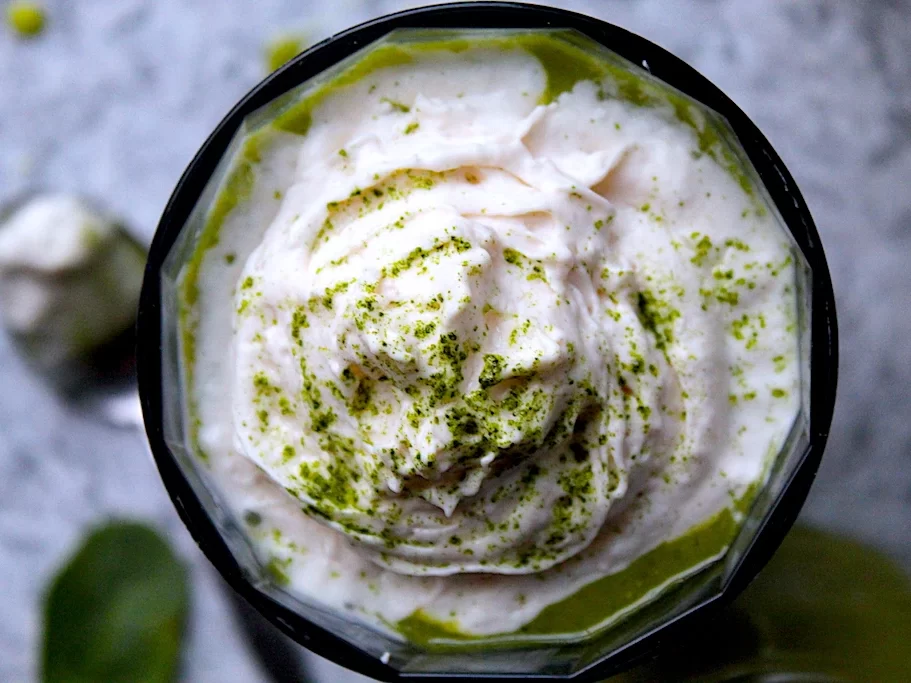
[[121, 408], [70, 278]]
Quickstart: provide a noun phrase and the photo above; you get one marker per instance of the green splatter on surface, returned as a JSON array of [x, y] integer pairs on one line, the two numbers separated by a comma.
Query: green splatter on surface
[[117, 611], [282, 49], [26, 19]]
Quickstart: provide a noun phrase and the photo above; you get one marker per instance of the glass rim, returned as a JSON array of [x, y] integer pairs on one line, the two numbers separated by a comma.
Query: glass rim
[[778, 182]]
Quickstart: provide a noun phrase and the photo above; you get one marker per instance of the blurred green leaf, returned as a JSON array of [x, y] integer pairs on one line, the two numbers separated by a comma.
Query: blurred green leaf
[[116, 612], [826, 608]]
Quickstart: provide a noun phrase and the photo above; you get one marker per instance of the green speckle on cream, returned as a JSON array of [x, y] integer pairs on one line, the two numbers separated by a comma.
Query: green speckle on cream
[[703, 248], [424, 329], [492, 370], [726, 296], [564, 64], [400, 107], [513, 257], [658, 317], [277, 569]]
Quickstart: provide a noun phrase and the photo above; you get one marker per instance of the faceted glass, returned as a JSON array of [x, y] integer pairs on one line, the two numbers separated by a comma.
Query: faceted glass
[[636, 66]]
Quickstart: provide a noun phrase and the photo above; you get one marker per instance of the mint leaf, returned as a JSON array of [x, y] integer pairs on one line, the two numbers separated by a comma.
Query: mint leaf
[[116, 612]]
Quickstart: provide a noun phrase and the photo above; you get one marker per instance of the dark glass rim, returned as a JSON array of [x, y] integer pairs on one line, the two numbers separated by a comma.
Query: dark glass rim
[[497, 15]]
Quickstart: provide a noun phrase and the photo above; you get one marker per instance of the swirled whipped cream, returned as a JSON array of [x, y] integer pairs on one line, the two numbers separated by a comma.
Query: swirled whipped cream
[[456, 339], [440, 352]]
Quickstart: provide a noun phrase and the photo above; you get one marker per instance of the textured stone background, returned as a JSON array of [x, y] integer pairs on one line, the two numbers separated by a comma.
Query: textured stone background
[[116, 96]]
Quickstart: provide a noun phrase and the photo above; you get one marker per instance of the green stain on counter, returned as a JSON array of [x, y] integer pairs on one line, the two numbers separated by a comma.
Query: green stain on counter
[[26, 19]]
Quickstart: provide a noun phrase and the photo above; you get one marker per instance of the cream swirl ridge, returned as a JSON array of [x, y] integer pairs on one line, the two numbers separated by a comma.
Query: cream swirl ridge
[[446, 362]]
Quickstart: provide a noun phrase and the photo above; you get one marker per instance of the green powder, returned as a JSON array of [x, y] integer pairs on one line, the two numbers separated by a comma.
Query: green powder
[[596, 605], [282, 49]]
